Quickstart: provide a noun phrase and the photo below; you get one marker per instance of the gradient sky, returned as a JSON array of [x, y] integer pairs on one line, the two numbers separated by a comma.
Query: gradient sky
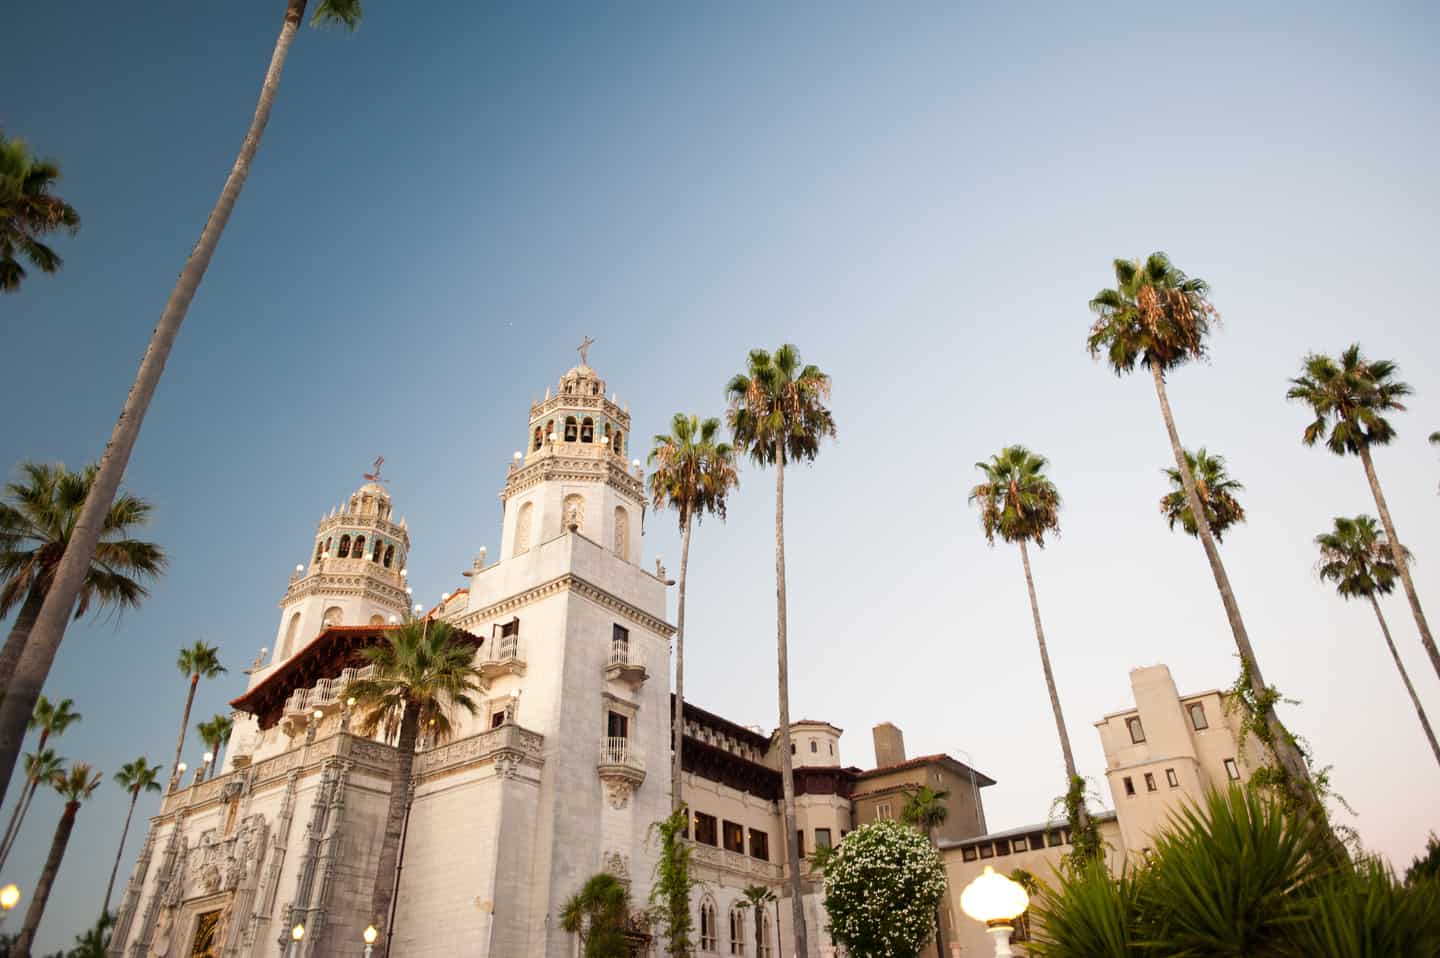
[[923, 199]]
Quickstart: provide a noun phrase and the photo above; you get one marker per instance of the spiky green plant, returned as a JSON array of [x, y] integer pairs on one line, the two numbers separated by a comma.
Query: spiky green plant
[[29, 212], [1088, 913], [598, 915]]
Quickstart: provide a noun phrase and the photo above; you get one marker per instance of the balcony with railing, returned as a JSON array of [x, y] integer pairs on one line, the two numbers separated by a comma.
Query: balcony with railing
[[325, 695], [626, 664], [502, 655], [621, 768]]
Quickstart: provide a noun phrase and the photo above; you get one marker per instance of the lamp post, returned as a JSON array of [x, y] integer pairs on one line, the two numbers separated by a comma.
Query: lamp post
[[997, 901], [207, 758], [297, 935], [370, 935]]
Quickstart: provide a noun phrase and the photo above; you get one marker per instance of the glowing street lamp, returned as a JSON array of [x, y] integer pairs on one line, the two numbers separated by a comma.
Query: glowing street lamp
[[997, 901], [370, 935], [9, 898]]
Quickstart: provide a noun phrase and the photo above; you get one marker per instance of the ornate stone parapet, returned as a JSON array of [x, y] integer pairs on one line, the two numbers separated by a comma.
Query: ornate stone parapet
[[508, 747]]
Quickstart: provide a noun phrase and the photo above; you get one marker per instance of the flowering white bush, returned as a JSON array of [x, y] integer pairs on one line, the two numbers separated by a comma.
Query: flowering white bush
[[882, 885]]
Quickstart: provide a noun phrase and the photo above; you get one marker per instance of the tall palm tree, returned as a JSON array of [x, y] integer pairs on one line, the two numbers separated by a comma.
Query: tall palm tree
[[777, 414], [925, 809], [693, 475], [136, 777], [1355, 556], [74, 787], [37, 521], [1350, 399], [40, 766], [49, 629], [423, 671], [597, 914], [215, 732], [28, 212], [1020, 504], [200, 661], [756, 897], [50, 719], [1216, 491], [1159, 318]]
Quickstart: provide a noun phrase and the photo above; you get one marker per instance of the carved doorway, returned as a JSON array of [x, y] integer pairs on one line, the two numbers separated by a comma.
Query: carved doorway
[[207, 936]]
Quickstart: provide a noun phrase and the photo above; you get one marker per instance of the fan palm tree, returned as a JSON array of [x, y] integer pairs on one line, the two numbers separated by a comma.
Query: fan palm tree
[[199, 661], [215, 733], [777, 414], [40, 766], [693, 475], [1159, 318], [37, 522], [51, 719], [1350, 398], [1216, 491], [756, 897], [1020, 504], [28, 212], [423, 671], [74, 787], [1355, 556], [925, 809], [597, 915], [136, 777], [49, 629]]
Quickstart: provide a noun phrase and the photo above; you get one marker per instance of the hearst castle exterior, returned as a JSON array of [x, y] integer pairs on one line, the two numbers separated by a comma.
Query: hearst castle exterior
[[558, 777]]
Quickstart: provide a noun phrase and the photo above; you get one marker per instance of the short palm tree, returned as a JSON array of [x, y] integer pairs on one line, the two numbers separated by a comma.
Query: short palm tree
[[37, 522], [756, 898], [199, 661], [693, 474], [40, 766], [925, 809], [49, 629], [51, 719], [1159, 318], [215, 732], [29, 211], [424, 670], [136, 777], [1020, 504], [777, 415], [598, 915], [74, 787], [1355, 556], [1350, 398], [1216, 491]]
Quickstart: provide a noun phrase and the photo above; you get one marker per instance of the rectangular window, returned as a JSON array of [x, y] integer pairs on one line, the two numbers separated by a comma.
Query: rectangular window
[[1149, 782], [705, 829], [498, 719], [1137, 731], [734, 838], [1129, 786], [1197, 717], [1057, 838], [800, 841], [1232, 770], [1018, 844], [987, 850], [759, 845], [883, 813], [1002, 846], [617, 725], [620, 634], [1171, 778], [510, 628], [969, 854], [822, 838]]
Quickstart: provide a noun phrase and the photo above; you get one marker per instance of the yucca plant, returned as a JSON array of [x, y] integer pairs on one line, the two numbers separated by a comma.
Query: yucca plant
[[1088, 913], [1366, 913]]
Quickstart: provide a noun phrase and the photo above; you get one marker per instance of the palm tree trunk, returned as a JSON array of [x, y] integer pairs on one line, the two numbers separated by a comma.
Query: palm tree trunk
[[1065, 750], [120, 852], [678, 726], [47, 881], [1397, 551], [1282, 744], [787, 776], [49, 629], [385, 873], [184, 726], [19, 633], [18, 820], [1405, 677]]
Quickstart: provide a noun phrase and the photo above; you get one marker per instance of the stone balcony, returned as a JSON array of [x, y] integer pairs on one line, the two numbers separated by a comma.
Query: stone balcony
[[626, 664], [504, 656], [326, 695], [621, 768], [735, 863]]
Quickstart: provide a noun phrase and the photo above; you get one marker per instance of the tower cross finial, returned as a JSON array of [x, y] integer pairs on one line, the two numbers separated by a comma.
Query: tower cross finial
[[375, 476], [584, 349]]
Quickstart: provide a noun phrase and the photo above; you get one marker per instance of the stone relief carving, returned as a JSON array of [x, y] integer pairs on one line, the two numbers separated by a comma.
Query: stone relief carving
[[618, 792]]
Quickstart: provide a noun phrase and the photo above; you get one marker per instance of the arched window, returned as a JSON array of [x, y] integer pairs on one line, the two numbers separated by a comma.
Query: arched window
[[587, 430], [378, 551], [319, 550], [549, 429], [617, 443], [291, 631], [572, 429], [522, 529], [538, 439], [377, 620], [765, 934], [389, 556], [357, 548], [709, 927], [737, 930], [328, 543], [333, 617], [344, 547], [622, 533]]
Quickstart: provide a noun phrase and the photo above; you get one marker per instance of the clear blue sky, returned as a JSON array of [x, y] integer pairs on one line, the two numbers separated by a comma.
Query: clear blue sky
[[923, 199]]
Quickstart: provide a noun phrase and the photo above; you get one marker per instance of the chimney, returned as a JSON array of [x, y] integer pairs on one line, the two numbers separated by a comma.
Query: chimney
[[889, 745]]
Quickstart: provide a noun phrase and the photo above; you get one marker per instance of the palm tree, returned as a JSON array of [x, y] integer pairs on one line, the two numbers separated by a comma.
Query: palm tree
[[693, 475], [50, 719], [40, 766], [423, 670], [1159, 318], [49, 629], [756, 897], [925, 809], [1020, 504], [1350, 399], [215, 733], [29, 211], [74, 787], [200, 661], [37, 523], [136, 777], [1355, 556], [777, 414], [1216, 491], [597, 914]]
